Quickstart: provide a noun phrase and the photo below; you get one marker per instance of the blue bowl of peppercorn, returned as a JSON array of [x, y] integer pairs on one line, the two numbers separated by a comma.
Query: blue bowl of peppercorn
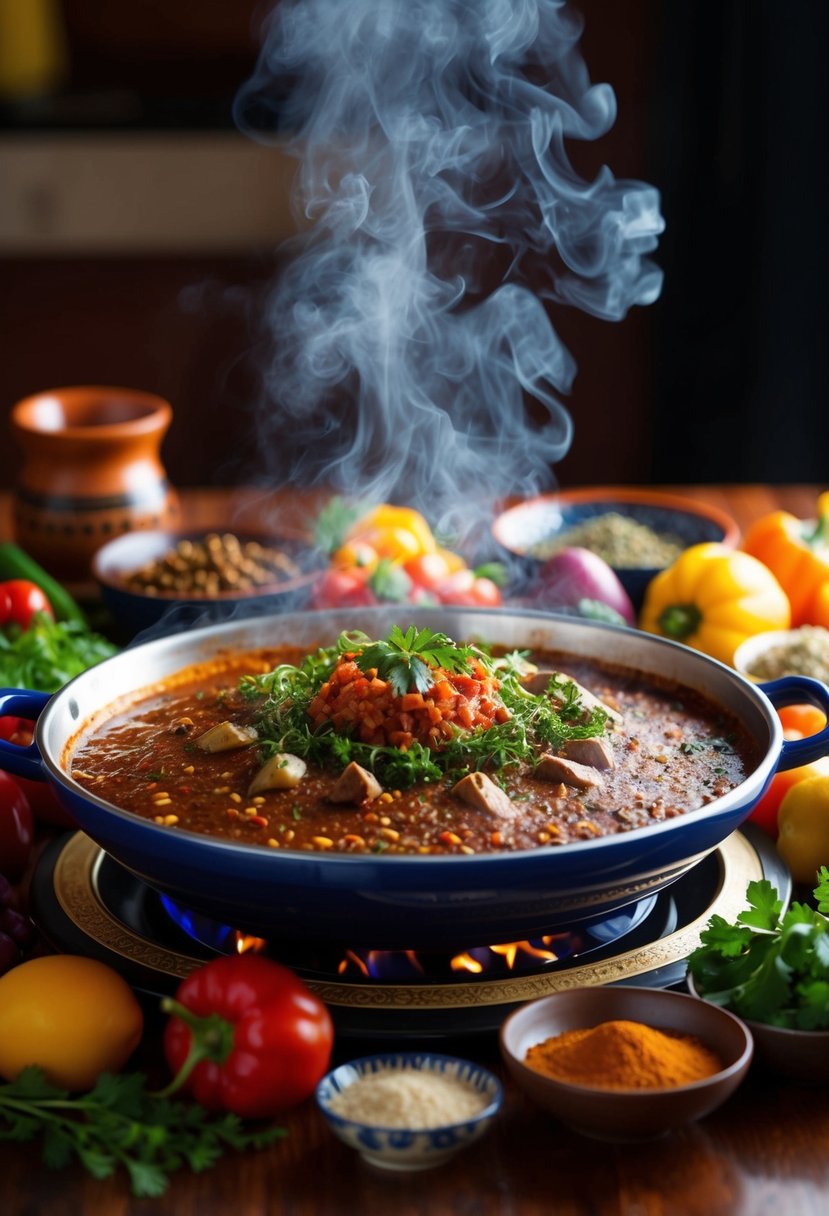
[[624, 1063], [637, 531]]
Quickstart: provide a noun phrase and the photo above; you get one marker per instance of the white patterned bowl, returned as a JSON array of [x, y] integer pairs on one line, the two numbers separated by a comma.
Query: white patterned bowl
[[409, 1148]]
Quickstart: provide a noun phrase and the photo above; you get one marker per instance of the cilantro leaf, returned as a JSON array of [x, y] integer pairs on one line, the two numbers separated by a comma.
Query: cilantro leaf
[[766, 967], [120, 1122]]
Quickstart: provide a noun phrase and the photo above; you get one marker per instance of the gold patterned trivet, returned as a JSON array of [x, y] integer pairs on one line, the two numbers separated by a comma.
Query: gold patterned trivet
[[77, 892]]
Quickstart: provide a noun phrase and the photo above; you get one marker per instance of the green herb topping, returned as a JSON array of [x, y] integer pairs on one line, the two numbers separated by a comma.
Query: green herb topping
[[407, 660]]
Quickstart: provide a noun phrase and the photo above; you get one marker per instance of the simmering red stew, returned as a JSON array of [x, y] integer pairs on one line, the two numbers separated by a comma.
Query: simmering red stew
[[653, 752]]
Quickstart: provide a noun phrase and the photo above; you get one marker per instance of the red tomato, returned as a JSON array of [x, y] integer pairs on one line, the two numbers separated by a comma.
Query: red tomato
[[343, 589], [466, 589], [428, 570], [16, 828], [22, 599], [42, 798], [10, 729]]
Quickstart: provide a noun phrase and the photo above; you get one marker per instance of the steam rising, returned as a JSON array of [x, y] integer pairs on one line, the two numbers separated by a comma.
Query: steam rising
[[413, 355]]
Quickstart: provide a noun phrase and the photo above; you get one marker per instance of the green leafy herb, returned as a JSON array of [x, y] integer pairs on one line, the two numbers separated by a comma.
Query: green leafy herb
[[770, 966], [389, 581], [120, 1122], [496, 572], [49, 653], [334, 520], [406, 659]]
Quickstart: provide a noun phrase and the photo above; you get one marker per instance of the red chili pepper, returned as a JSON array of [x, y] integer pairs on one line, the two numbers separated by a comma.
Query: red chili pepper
[[247, 1036], [16, 828], [20, 600]]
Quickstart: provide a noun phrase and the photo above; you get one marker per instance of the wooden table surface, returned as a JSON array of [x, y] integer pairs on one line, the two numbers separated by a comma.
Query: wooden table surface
[[765, 1151]]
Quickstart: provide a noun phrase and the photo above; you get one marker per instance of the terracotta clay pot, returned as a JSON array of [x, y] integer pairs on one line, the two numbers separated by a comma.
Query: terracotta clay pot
[[91, 470]]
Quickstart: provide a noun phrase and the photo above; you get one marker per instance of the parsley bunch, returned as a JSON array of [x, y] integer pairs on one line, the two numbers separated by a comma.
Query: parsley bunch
[[49, 653], [406, 660], [770, 966], [120, 1122]]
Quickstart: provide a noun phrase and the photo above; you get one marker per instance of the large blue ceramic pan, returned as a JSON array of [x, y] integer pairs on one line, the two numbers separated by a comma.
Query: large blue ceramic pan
[[400, 901]]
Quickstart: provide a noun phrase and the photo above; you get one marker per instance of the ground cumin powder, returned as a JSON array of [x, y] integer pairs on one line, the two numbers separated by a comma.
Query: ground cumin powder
[[623, 1055]]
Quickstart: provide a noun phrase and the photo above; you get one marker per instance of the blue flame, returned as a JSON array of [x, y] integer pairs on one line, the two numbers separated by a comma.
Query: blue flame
[[413, 354]]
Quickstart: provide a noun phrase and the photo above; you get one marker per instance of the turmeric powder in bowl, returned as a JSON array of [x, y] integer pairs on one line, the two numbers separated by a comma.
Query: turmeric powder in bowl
[[623, 1055], [625, 1063]]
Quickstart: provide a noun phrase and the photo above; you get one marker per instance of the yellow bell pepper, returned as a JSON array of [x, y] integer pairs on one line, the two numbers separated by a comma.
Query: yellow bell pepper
[[797, 553], [712, 598], [803, 828], [398, 533]]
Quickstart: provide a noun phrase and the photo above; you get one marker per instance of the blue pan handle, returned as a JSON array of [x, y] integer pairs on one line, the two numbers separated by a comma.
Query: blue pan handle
[[799, 690], [22, 761]]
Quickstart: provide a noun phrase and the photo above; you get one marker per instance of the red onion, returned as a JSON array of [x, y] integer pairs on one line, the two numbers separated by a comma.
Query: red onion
[[574, 575]]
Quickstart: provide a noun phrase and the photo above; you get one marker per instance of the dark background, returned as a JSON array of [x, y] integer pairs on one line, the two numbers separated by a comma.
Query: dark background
[[721, 107]]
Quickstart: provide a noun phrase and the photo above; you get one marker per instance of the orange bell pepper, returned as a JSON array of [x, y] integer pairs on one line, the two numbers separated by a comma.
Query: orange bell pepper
[[797, 553]]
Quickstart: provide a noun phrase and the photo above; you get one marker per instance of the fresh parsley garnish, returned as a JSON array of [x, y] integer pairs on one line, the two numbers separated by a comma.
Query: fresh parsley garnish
[[769, 966], [121, 1122], [406, 660]]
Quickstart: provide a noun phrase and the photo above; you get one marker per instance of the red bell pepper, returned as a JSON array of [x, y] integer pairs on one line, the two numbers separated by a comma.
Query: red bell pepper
[[246, 1035]]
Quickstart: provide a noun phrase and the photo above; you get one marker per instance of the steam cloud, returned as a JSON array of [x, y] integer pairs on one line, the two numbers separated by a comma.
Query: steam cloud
[[413, 356]]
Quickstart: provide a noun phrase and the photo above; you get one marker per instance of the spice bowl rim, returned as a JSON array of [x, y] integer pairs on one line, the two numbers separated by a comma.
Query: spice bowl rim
[[626, 1114], [753, 647], [418, 1147]]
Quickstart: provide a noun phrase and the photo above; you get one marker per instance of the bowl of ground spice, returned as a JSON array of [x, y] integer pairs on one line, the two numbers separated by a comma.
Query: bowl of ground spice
[[625, 1063], [147, 577], [637, 531], [409, 1110]]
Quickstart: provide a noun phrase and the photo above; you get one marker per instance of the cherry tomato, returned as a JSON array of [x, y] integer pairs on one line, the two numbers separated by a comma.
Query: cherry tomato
[[343, 589], [801, 720], [16, 828], [465, 588], [21, 600], [42, 798], [10, 729], [427, 570]]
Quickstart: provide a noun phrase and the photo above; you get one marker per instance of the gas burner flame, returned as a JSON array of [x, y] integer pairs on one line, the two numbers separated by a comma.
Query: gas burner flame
[[483, 960], [371, 964], [246, 943]]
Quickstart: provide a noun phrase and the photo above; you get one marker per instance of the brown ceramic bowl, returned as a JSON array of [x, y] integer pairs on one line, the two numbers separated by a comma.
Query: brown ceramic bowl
[[800, 1055], [626, 1114]]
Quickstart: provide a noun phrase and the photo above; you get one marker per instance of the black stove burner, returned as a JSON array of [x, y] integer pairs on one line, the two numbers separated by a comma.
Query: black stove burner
[[86, 903]]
